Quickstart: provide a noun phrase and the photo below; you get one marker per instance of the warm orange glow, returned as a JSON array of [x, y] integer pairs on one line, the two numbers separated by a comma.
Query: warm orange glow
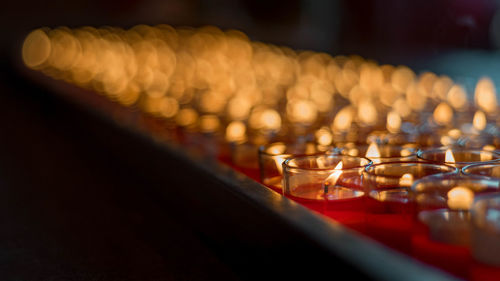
[[373, 152], [367, 113], [479, 121], [393, 122], [236, 131], [406, 180], [449, 158], [485, 95], [443, 114], [323, 136], [460, 198], [36, 48], [343, 119], [457, 97], [335, 175]]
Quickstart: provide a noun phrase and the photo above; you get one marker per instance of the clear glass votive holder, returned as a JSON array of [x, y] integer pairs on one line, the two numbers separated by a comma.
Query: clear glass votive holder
[[388, 212], [271, 157], [330, 184], [379, 153], [443, 204], [491, 170], [441, 232], [485, 229], [458, 157]]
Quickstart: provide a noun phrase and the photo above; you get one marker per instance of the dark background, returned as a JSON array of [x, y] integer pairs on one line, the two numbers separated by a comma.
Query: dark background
[[72, 210]]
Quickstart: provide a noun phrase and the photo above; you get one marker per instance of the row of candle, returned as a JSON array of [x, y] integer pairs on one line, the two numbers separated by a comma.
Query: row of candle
[[220, 82], [378, 148], [414, 200]]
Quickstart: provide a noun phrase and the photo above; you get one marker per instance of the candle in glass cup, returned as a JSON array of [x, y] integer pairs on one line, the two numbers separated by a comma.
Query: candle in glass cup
[[271, 157], [388, 213], [379, 153], [458, 157], [330, 184], [441, 225]]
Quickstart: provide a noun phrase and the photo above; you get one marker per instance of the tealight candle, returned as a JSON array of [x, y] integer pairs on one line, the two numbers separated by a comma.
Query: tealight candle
[[458, 157], [330, 184], [379, 153], [388, 211], [441, 199], [442, 225], [271, 157]]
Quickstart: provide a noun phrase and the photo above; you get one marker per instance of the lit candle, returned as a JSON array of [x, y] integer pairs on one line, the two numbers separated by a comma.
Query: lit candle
[[445, 203], [388, 212], [458, 157], [332, 185], [272, 156]]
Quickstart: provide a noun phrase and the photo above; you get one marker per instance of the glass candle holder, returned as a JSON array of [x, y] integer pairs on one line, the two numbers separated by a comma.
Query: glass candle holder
[[444, 202], [491, 170], [441, 228], [271, 157], [379, 153], [485, 229], [330, 184], [388, 213], [458, 157]]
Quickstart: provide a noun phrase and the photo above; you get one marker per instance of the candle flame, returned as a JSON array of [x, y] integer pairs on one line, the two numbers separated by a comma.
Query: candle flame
[[460, 198], [393, 122], [343, 119], [279, 157], [236, 131], [485, 96], [323, 136], [373, 152], [278, 160], [443, 113], [406, 180], [334, 176], [479, 121], [449, 158]]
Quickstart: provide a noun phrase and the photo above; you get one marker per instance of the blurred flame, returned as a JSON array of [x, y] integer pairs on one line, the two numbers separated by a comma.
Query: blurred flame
[[485, 95], [443, 114], [367, 113], [406, 180], [457, 97], [323, 136], [393, 122], [343, 119], [236, 131], [460, 198], [36, 48], [479, 121]]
